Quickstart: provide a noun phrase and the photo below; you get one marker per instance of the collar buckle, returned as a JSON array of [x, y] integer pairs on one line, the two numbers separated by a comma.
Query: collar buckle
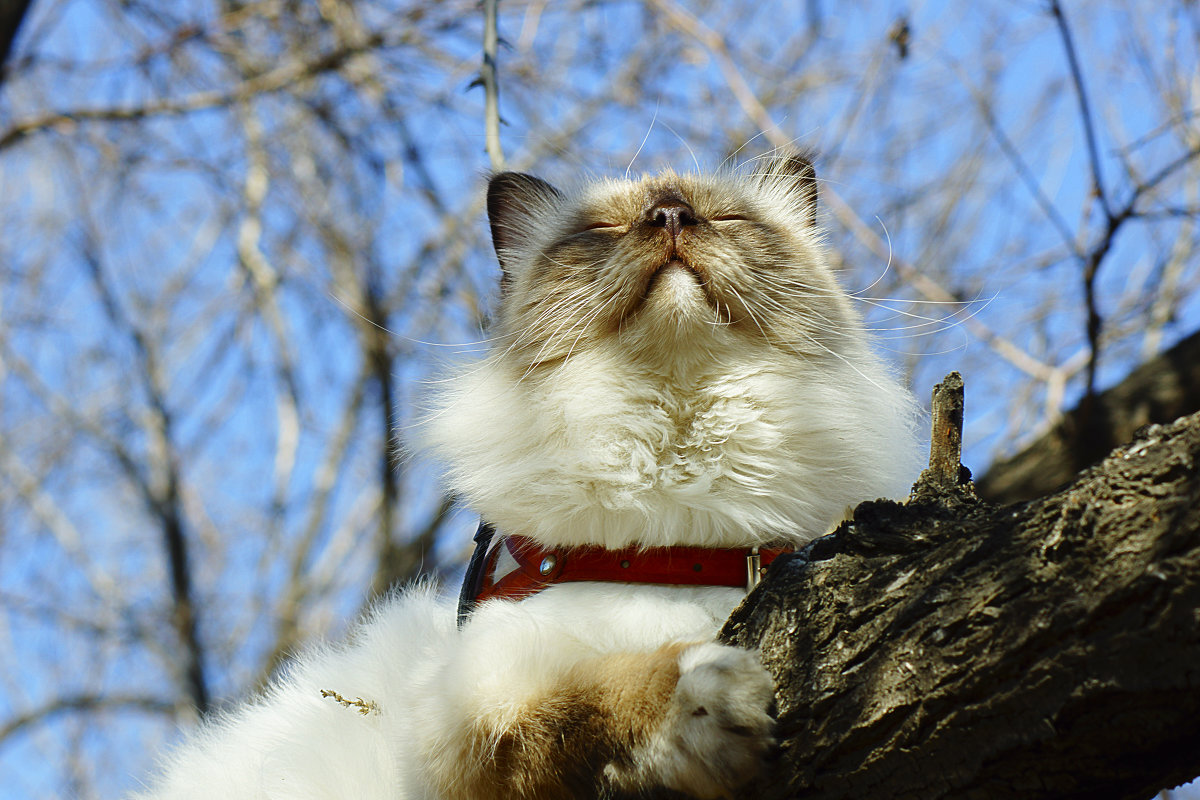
[[754, 569]]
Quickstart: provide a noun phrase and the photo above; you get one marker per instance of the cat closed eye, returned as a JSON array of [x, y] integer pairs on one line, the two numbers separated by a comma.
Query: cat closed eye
[[599, 226]]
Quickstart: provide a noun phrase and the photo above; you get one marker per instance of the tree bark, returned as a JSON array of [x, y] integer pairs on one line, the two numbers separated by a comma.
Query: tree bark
[[946, 647]]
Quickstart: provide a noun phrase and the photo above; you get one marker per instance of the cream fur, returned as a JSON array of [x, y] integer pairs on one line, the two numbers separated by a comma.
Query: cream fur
[[749, 450], [428, 681], [623, 405]]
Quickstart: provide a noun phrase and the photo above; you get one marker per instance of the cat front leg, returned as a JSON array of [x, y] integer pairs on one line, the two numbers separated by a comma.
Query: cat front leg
[[713, 732], [690, 717]]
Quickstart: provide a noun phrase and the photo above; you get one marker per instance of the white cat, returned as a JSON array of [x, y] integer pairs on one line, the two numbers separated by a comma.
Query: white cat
[[674, 367]]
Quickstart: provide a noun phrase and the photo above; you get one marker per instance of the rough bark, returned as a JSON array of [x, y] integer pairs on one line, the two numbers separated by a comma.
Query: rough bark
[[950, 648]]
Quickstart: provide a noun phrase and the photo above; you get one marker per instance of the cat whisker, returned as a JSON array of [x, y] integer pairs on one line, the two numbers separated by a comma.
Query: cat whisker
[[551, 337], [645, 138]]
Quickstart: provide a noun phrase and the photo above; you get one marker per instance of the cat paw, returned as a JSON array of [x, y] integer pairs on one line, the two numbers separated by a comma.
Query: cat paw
[[717, 728]]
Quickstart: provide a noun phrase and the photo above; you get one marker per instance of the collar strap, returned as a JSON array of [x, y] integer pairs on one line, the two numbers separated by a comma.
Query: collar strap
[[527, 567]]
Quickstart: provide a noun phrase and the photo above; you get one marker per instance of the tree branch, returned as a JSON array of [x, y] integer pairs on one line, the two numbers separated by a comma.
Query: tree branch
[[12, 13], [273, 80], [1085, 111], [948, 648], [491, 86], [82, 703], [161, 486], [1160, 390]]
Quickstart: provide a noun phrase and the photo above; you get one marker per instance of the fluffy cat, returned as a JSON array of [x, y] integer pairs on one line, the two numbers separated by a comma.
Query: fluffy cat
[[674, 364]]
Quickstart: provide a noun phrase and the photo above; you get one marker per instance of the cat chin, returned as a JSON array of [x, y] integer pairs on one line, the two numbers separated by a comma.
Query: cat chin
[[675, 298], [741, 449]]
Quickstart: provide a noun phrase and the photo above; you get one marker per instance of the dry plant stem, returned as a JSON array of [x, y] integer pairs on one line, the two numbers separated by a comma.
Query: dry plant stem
[[363, 707]]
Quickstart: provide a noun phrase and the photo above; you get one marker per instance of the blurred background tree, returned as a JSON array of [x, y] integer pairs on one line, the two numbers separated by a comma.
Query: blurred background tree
[[237, 236]]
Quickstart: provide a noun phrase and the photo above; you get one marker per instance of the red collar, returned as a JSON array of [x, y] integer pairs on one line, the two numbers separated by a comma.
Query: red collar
[[528, 567]]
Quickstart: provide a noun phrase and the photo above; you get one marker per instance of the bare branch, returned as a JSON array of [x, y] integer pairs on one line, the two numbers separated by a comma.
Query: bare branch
[[274, 80], [12, 13], [491, 86], [931, 290], [83, 703], [747, 99], [161, 490], [1089, 125]]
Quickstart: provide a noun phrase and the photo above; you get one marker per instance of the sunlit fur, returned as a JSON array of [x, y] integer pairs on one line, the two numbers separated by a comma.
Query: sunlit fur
[[629, 400], [714, 391]]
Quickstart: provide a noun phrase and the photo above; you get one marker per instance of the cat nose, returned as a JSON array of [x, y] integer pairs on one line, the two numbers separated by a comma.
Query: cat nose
[[671, 213]]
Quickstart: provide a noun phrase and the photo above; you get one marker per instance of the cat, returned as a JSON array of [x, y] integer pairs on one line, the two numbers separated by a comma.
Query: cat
[[673, 365]]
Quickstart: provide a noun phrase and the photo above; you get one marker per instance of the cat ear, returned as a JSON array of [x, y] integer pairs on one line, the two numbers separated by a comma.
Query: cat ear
[[517, 205], [794, 173]]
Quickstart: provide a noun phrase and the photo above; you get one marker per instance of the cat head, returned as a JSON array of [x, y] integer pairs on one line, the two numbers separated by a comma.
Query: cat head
[[666, 264], [672, 362]]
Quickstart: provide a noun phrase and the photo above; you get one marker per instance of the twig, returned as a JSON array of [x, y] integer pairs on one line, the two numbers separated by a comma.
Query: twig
[[1024, 172], [300, 554], [1096, 256], [933, 291], [1091, 267], [161, 492], [11, 16], [751, 105], [945, 445], [377, 351], [1089, 127], [271, 81], [83, 702], [491, 87], [1164, 173], [264, 280]]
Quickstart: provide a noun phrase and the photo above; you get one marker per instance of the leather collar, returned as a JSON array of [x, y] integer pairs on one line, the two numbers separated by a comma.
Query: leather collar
[[516, 567]]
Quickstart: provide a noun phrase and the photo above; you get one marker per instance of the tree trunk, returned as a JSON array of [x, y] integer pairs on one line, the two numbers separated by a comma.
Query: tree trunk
[[946, 647]]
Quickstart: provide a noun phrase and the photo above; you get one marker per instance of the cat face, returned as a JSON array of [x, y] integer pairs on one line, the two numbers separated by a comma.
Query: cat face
[[666, 265]]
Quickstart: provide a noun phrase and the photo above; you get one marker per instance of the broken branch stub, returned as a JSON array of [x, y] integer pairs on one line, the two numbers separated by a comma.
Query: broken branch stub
[[945, 443]]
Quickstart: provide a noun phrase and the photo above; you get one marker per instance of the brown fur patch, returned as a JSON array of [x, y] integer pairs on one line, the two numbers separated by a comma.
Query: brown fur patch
[[557, 747]]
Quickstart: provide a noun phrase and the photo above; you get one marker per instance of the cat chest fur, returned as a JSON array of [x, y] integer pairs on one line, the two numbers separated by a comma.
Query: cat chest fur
[[658, 436], [614, 453]]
